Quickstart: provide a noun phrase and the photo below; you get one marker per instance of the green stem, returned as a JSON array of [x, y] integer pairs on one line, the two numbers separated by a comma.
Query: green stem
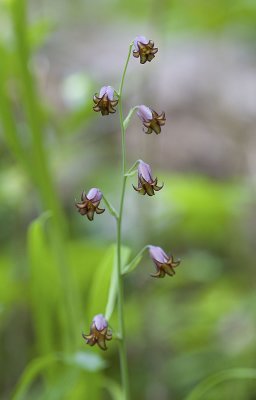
[[133, 169], [110, 208], [122, 343], [128, 118], [135, 261]]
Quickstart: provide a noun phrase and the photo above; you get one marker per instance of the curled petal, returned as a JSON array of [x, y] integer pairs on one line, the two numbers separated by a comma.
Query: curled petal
[[159, 274], [99, 210]]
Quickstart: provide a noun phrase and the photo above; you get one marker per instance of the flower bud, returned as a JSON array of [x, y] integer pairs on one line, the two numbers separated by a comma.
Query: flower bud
[[99, 332], [90, 203], [164, 264], [105, 102], [146, 184], [151, 120], [144, 49]]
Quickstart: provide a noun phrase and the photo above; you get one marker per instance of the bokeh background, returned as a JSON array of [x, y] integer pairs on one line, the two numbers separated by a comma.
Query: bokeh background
[[55, 266]]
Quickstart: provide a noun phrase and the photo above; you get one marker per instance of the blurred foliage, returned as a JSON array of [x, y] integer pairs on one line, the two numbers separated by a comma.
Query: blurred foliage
[[54, 277]]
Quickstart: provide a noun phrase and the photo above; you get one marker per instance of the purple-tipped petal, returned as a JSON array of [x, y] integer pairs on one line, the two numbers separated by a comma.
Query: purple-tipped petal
[[103, 91], [94, 194], [140, 39], [100, 322], [157, 254], [108, 90], [144, 113], [144, 171]]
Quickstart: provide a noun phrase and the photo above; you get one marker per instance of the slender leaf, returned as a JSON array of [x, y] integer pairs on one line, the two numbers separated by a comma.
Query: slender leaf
[[203, 387], [86, 361], [113, 388], [104, 286], [114, 282]]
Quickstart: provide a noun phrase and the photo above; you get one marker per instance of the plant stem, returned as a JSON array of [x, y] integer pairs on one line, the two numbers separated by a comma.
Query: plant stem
[[110, 208], [128, 118], [130, 267], [122, 343], [133, 169]]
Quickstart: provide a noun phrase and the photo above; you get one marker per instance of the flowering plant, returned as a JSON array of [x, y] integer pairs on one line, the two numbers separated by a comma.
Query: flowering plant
[[105, 102]]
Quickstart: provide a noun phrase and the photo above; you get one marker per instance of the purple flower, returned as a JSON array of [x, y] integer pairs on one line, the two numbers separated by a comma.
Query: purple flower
[[90, 203], [164, 264], [105, 102], [144, 49], [99, 332], [146, 184], [151, 120]]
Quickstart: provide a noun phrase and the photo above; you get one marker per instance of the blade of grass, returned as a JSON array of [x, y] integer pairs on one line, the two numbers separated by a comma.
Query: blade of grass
[[86, 361], [231, 374]]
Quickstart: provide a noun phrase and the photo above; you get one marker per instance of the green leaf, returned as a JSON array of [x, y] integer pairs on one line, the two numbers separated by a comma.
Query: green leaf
[[104, 285], [86, 361], [101, 282], [114, 283], [43, 284], [237, 373], [47, 297], [38, 33], [113, 388]]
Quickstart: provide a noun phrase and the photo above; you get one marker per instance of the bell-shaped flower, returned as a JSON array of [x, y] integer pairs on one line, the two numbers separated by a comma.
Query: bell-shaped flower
[[151, 120], [146, 184], [90, 203], [104, 101], [144, 49], [164, 264], [99, 332]]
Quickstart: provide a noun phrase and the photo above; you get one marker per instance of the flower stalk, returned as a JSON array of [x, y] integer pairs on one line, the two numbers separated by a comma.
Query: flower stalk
[[110, 208], [133, 169], [122, 342], [105, 102]]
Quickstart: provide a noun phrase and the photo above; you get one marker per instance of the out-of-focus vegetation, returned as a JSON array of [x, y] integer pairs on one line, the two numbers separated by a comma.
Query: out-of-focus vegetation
[[55, 266]]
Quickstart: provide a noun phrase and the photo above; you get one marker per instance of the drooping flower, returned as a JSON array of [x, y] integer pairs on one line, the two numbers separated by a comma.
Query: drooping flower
[[144, 49], [90, 203], [151, 120], [164, 264], [105, 102], [99, 332], [146, 184]]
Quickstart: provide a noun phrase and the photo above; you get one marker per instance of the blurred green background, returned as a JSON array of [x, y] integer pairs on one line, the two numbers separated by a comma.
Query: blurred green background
[[55, 266]]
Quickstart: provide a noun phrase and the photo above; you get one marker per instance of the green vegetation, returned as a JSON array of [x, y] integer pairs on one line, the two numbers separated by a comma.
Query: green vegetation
[[197, 328]]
